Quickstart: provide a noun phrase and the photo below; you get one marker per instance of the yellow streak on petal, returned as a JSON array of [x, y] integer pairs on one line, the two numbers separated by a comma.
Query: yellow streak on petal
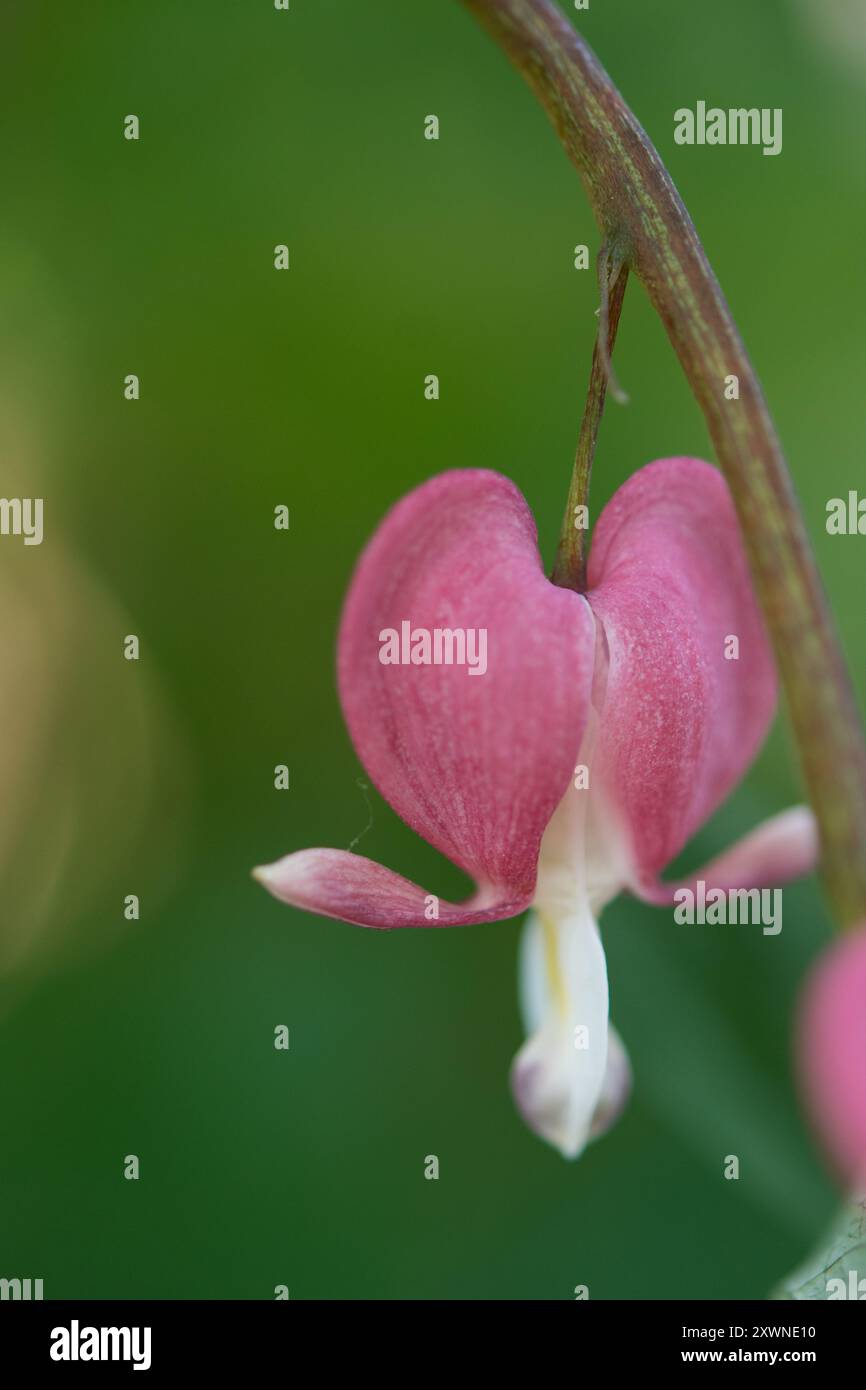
[[558, 993]]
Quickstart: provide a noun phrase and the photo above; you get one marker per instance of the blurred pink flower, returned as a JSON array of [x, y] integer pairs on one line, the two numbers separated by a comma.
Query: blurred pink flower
[[630, 682], [832, 1053]]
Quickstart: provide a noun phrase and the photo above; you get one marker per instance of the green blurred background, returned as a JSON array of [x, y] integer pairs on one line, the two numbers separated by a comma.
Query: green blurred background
[[305, 388]]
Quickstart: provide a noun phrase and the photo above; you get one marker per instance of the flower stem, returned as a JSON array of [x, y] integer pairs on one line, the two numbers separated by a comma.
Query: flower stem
[[638, 208], [570, 568]]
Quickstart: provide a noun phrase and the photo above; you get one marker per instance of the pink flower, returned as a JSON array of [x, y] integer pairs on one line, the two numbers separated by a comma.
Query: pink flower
[[832, 1053], [630, 681]]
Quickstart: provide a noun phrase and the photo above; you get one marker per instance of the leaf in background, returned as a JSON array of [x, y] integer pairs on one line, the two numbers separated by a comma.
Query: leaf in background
[[839, 1257]]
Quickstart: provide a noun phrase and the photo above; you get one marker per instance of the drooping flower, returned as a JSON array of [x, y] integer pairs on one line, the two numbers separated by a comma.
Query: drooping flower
[[602, 732], [832, 1054]]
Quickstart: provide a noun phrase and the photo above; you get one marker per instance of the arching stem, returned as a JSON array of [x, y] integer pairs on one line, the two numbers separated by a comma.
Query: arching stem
[[639, 210]]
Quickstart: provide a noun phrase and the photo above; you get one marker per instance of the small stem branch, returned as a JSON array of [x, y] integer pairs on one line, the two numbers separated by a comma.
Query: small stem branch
[[611, 264], [637, 207], [570, 568]]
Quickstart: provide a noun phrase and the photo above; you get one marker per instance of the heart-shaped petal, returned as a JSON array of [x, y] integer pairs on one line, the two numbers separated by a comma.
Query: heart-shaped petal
[[690, 688], [475, 760]]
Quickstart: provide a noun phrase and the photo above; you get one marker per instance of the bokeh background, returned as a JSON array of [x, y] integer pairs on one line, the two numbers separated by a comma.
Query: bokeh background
[[306, 388]]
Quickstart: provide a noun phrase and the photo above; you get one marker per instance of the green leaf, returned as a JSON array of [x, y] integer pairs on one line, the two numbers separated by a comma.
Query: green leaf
[[837, 1270]]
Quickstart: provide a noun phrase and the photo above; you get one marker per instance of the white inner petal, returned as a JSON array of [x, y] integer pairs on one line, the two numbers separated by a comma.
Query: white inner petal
[[571, 1077], [559, 1074]]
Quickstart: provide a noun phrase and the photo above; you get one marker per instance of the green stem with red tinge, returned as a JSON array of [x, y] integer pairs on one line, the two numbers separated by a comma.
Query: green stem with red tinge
[[639, 211]]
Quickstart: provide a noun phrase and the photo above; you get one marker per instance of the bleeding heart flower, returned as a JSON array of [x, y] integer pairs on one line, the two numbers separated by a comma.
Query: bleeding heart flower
[[832, 1053], [629, 682]]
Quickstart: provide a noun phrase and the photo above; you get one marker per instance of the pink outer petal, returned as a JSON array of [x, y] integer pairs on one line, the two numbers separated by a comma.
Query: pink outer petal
[[782, 848], [476, 764], [832, 1052], [669, 582], [335, 883]]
